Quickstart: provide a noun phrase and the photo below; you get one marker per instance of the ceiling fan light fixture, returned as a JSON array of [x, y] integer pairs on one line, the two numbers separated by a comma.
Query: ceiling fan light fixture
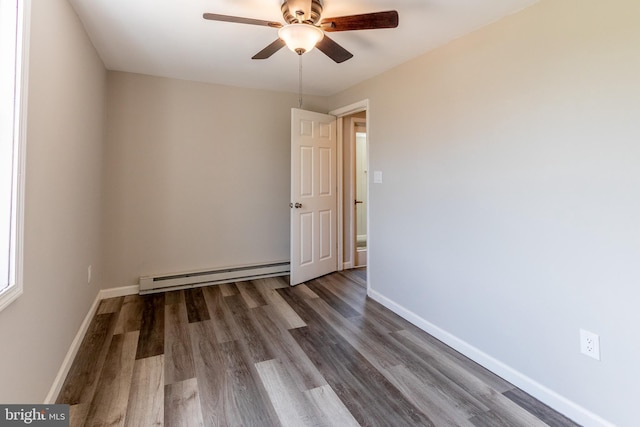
[[300, 38]]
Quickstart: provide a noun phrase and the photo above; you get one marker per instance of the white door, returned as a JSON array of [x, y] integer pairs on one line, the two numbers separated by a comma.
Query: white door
[[313, 195]]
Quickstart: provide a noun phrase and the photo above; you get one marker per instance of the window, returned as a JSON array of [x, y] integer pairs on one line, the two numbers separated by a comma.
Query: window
[[12, 142]]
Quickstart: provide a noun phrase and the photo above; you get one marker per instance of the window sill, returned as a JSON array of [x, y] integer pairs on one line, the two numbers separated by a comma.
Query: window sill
[[9, 295]]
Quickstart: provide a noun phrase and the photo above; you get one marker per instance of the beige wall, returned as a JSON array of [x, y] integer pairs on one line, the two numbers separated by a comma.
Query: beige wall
[[508, 216], [63, 206], [198, 176]]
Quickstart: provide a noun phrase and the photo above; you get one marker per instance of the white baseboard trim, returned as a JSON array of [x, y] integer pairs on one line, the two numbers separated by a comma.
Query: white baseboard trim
[[58, 382], [71, 354], [118, 292], [560, 403]]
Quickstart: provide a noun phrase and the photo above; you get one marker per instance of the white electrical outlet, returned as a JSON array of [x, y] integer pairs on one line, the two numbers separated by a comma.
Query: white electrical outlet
[[590, 344], [88, 274]]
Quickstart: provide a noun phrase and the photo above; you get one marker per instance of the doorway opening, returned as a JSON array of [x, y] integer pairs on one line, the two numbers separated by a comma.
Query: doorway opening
[[353, 210], [359, 189]]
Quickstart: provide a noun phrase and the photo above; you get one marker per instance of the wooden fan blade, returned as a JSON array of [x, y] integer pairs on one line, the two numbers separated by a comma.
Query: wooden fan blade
[[239, 20], [301, 9], [365, 21], [269, 50], [333, 50]]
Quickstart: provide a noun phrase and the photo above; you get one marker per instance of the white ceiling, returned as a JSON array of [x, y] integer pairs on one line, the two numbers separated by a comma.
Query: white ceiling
[[170, 38]]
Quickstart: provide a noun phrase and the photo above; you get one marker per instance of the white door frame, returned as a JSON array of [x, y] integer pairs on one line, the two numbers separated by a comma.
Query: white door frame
[[356, 107]]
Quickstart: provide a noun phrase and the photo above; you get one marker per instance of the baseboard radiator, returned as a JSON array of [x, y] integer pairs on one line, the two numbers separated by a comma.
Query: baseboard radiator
[[170, 282]]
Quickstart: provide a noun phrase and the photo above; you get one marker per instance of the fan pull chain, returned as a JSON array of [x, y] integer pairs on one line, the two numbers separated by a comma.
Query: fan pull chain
[[300, 82]]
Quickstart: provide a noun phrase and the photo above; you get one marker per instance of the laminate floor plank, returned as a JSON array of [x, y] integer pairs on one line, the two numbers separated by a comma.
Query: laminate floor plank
[[289, 403], [466, 380], [353, 282], [488, 419], [229, 289], [450, 357], [215, 302], [146, 398], [379, 324], [355, 296], [237, 315], [130, 317], [229, 392], [354, 379], [539, 409], [319, 406], [406, 369], [370, 398], [286, 350], [278, 282], [494, 381], [377, 349], [213, 389], [304, 291], [182, 404], [178, 355], [298, 304], [390, 321], [368, 308], [268, 283], [250, 397], [81, 381], [444, 411], [332, 300], [261, 353], [109, 406], [415, 366], [110, 305], [426, 370], [330, 408], [151, 342], [174, 297], [250, 294], [274, 298], [356, 275], [500, 418], [197, 310], [440, 386], [78, 414]]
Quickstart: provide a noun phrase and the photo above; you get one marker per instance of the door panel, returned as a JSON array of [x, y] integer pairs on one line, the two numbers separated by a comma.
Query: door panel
[[313, 195], [306, 238], [306, 171], [326, 235], [326, 169]]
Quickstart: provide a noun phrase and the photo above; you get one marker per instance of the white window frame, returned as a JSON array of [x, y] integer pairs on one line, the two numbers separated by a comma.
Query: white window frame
[[15, 289]]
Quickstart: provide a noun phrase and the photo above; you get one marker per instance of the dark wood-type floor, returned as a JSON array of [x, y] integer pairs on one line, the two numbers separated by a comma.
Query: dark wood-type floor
[[261, 353]]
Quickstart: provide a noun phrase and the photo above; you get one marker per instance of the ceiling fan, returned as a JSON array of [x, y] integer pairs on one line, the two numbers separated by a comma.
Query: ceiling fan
[[305, 28]]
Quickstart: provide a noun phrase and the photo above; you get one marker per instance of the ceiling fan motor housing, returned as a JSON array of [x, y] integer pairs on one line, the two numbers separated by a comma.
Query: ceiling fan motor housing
[[291, 17]]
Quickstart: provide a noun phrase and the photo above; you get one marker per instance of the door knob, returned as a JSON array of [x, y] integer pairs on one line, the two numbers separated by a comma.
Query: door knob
[[298, 205], [358, 202]]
